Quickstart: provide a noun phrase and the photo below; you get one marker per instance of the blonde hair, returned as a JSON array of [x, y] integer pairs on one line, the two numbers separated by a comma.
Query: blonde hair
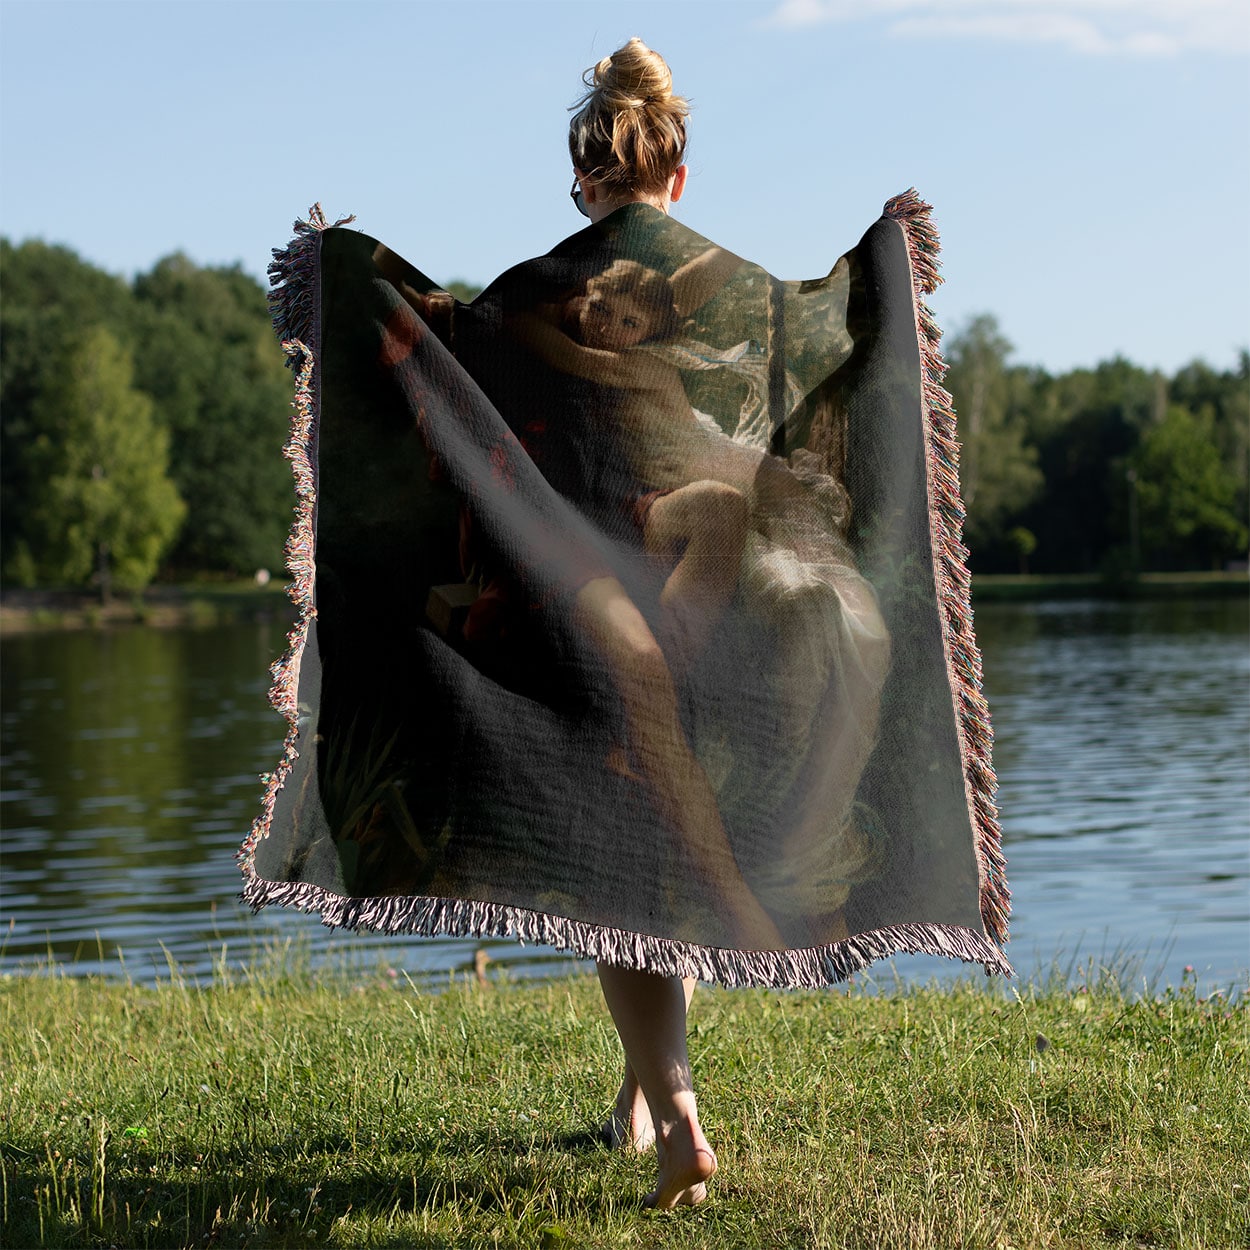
[[629, 131], [648, 286]]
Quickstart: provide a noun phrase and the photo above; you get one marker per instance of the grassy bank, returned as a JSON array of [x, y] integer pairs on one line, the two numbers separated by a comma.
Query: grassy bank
[[216, 603], [23, 611], [1030, 587], [194, 603], [280, 1109]]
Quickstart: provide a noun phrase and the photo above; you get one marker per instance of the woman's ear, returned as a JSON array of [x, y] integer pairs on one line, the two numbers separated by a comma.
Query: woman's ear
[[588, 185], [678, 184]]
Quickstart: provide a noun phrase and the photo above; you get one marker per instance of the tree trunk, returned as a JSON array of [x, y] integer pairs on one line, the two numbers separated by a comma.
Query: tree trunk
[[105, 574]]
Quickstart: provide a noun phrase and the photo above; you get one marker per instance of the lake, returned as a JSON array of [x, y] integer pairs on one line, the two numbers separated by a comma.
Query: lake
[[131, 760]]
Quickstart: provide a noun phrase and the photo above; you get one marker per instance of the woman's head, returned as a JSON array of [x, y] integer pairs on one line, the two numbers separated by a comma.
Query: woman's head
[[625, 305], [629, 131]]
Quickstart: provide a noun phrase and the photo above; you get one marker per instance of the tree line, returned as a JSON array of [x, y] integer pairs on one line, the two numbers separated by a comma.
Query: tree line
[[141, 422], [1114, 470]]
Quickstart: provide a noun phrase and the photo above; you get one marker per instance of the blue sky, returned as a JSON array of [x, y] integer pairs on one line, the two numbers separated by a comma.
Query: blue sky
[[1087, 159]]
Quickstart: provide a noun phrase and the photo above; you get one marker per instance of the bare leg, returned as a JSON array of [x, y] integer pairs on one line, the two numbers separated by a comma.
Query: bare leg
[[658, 746], [706, 522], [650, 1015], [630, 1127]]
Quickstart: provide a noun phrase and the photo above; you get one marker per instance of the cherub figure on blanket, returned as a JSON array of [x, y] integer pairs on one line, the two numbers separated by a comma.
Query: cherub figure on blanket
[[694, 515]]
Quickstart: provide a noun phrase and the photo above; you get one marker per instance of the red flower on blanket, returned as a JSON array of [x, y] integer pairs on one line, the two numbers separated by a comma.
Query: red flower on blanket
[[401, 333], [503, 462]]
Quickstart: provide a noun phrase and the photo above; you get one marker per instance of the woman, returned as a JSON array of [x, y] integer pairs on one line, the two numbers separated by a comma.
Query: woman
[[588, 655], [628, 142]]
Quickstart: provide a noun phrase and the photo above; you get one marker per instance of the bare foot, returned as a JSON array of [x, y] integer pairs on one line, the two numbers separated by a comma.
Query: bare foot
[[629, 1126], [686, 1165]]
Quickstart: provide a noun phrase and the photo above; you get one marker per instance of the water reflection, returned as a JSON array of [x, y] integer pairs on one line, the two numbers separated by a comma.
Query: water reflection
[[131, 762], [1122, 735]]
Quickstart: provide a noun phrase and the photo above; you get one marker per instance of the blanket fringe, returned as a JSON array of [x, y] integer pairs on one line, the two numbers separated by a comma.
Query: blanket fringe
[[301, 562], [954, 583], [295, 305], [809, 968], [295, 300]]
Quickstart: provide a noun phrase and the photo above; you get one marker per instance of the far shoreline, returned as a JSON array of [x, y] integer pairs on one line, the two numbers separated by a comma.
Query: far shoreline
[[1036, 587], [206, 604], [163, 606]]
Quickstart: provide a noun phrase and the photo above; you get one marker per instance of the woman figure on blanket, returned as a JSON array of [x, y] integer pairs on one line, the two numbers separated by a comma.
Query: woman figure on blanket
[[731, 516]]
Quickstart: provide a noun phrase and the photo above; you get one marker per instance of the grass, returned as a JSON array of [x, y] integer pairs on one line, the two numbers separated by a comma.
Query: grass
[[282, 1108]]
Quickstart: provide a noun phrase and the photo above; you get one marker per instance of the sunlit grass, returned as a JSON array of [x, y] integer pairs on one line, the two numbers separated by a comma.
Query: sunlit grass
[[279, 1107]]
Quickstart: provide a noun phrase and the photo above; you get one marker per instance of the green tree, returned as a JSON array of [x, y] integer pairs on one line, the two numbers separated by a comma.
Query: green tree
[[207, 356], [465, 292], [1024, 543], [997, 466], [1087, 423], [1187, 493], [1223, 399], [101, 505], [51, 297]]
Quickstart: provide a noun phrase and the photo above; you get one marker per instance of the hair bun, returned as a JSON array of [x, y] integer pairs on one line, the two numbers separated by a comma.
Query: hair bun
[[633, 77], [629, 130]]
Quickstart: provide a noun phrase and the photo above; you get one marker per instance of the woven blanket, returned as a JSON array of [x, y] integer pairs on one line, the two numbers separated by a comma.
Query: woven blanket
[[634, 618]]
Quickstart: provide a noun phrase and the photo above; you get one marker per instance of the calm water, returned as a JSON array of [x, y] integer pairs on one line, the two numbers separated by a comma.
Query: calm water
[[1123, 741]]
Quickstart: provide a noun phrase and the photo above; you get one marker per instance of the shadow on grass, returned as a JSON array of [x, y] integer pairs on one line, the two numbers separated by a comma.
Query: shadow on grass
[[278, 1196]]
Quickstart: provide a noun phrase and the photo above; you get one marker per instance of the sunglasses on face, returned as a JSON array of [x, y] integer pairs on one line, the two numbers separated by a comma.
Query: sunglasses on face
[[576, 196]]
